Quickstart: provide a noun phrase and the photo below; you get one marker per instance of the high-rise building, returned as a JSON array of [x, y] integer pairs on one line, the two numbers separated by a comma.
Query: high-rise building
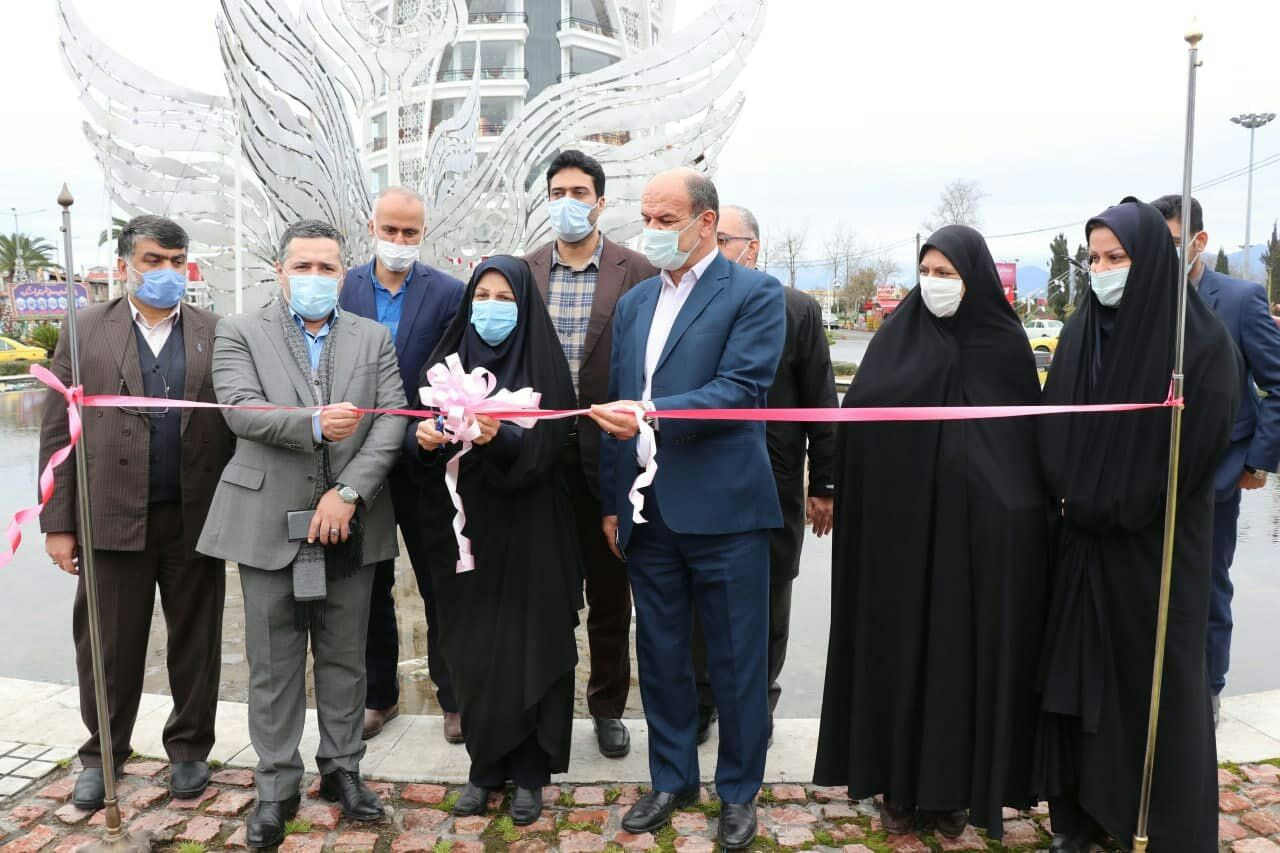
[[524, 47]]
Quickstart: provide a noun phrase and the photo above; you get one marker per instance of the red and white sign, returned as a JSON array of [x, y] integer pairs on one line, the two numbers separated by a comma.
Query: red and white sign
[[1009, 280]]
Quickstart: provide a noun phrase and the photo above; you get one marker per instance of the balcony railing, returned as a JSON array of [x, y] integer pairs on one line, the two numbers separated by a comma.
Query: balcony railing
[[378, 143], [498, 18], [587, 26], [492, 128], [491, 73], [611, 138]]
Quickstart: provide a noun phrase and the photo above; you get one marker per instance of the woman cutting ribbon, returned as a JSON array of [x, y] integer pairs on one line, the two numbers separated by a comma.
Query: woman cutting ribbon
[[939, 571], [508, 625], [1107, 475]]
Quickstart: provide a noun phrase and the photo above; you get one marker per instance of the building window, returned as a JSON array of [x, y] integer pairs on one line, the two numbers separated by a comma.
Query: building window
[[378, 132], [378, 180], [584, 61], [496, 114], [444, 109]]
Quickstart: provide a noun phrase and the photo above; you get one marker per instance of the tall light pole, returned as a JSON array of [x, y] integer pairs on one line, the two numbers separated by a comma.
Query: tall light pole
[[1252, 121]]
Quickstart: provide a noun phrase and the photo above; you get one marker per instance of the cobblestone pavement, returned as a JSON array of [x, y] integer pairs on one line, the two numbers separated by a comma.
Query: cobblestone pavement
[[576, 819]]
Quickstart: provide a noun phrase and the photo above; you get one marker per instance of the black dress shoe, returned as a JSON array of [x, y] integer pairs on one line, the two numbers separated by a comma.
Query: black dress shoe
[[1071, 844], [737, 825], [346, 787], [265, 827], [950, 824], [526, 806], [474, 800], [706, 716], [90, 790], [613, 737], [897, 821], [653, 811], [188, 779]]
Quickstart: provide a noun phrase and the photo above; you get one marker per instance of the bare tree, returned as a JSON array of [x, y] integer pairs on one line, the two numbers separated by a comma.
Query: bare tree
[[789, 245], [838, 251], [958, 205]]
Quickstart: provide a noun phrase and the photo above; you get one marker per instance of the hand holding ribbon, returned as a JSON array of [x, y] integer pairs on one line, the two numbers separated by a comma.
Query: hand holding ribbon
[[460, 396]]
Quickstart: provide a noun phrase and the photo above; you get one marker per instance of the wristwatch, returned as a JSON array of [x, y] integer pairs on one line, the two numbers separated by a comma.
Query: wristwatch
[[348, 494]]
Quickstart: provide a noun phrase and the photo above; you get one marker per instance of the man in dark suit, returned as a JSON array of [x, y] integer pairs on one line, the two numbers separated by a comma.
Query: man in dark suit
[[581, 275], [804, 380], [1255, 439], [706, 334], [416, 303], [152, 472]]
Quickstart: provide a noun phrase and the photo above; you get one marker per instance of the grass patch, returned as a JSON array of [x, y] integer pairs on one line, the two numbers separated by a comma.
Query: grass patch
[[297, 827], [191, 847], [566, 825], [565, 799], [666, 839], [447, 804], [64, 763], [711, 808], [825, 839], [767, 797], [613, 847], [503, 827], [215, 764], [1274, 762], [611, 796], [443, 846]]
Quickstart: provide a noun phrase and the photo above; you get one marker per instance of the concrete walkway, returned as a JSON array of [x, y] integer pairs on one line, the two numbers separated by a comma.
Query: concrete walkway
[[413, 749]]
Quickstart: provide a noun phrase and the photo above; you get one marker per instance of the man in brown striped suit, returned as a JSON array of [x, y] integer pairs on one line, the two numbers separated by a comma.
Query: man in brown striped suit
[[152, 475]]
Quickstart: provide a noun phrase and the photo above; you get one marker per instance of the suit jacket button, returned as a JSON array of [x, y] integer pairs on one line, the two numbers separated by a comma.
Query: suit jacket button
[[124, 461], [125, 433]]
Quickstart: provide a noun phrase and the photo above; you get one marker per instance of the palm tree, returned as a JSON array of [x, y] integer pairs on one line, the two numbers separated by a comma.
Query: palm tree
[[33, 251], [117, 225]]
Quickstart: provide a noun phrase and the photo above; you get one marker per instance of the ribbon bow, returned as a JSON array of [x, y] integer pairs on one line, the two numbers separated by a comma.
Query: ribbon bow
[[459, 396], [75, 399]]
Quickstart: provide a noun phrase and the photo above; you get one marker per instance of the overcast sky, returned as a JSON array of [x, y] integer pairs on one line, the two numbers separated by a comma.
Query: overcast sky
[[857, 113]]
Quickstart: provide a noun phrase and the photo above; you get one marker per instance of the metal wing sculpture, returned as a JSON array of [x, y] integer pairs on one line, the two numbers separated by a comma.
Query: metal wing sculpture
[[281, 145]]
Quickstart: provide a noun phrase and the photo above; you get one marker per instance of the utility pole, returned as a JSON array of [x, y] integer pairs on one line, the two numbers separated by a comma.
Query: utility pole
[[1252, 121]]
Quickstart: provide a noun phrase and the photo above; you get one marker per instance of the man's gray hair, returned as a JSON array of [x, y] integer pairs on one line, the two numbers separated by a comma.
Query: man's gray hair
[[166, 232], [702, 193], [309, 229], [748, 219]]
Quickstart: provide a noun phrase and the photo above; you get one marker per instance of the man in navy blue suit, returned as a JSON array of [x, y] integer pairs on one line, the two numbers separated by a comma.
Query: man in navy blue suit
[[416, 303], [1255, 438], [705, 334]]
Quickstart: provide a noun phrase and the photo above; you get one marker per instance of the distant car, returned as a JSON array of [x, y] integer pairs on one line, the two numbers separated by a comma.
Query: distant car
[[830, 321], [11, 350], [1044, 344], [1043, 328]]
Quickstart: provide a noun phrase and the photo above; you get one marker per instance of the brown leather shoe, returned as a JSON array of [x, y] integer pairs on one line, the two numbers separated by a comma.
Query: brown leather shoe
[[374, 720], [453, 727]]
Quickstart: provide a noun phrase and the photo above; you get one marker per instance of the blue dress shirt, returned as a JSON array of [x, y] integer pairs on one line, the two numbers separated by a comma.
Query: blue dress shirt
[[315, 346], [389, 305]]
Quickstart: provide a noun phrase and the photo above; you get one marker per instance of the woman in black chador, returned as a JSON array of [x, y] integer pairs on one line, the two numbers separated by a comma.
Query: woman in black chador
[[1106, 476], [939, 571], [507, 626]]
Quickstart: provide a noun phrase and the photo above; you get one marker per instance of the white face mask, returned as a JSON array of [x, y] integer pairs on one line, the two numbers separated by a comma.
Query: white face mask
[[1109, 286], [941, 295], [397, 257]]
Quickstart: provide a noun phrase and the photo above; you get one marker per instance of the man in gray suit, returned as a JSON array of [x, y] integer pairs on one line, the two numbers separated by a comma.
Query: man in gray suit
[[331, 466]]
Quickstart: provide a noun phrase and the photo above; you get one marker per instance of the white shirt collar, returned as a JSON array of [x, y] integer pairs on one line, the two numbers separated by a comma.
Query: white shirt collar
[[140, 319], [697, 270]]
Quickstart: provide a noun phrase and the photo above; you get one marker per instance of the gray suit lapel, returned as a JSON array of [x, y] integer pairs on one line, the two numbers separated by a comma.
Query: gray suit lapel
[[275, 334]]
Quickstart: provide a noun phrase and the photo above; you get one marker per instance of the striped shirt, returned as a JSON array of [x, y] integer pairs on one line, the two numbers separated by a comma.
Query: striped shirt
[[569, 295]]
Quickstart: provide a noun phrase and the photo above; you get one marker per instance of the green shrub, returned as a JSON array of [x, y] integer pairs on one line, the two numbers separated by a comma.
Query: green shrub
[[45, 335], [17, 368]]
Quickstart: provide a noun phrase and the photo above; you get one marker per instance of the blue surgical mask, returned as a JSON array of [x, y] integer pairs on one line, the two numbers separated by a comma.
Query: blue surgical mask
[[162, 288], [313, 296], [571, 219], [1109, 286], [662, 248], [494, 320]]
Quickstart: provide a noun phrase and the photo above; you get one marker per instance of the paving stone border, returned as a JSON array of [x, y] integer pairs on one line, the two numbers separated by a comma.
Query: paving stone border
[[576, 819]]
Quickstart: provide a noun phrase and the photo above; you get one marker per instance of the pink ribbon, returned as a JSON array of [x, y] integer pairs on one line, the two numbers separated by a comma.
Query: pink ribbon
[[74, 398], [460, 396]]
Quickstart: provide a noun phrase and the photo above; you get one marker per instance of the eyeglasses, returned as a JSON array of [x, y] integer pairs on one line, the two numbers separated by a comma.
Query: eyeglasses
[[723, 240], [147, 413]]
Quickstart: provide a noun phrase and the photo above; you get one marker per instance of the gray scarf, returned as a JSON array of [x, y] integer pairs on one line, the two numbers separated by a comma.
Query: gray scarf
[[309, 585]]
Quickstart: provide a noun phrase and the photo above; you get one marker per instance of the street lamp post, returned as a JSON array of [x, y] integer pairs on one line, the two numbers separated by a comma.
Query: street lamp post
[[1252, 121]]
